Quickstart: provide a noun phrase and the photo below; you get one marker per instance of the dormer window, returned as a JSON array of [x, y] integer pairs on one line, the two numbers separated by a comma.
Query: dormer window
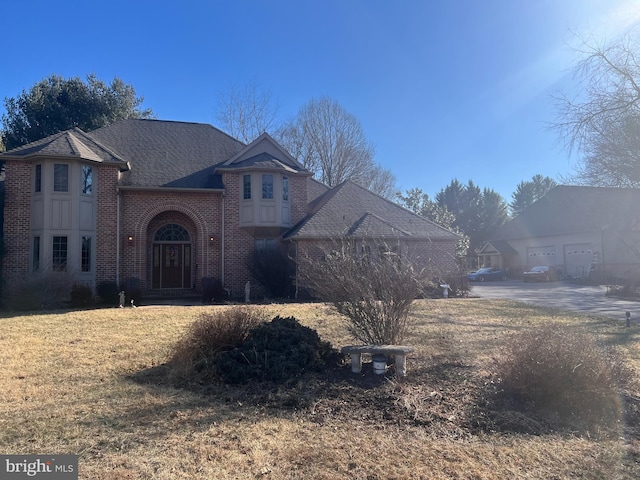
[[271, 207], [267, 186]]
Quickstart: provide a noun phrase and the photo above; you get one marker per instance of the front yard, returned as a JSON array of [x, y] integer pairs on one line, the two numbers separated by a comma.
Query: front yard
[[93, 383]]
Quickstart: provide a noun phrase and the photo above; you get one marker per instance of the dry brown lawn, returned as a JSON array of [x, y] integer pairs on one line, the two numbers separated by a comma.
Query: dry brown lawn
[[94, 383]]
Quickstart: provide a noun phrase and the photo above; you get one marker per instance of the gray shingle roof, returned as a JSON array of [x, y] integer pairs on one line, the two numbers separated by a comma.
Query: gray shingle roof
[[351, 210], [574, 209], [166, 153], [205, 178], [72, 143], [264, 161]]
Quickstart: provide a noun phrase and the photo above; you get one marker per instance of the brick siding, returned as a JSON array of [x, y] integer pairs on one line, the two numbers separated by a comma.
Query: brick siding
[[17, 216], [144, 212]]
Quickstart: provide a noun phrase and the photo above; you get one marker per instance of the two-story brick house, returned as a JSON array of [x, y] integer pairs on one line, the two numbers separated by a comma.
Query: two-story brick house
[[170, 203]]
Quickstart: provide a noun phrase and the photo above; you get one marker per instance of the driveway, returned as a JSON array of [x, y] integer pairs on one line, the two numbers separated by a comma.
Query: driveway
[[567, 296]]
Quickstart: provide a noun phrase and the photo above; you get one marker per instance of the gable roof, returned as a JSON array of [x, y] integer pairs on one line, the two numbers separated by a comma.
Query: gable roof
[[265, 153], [168, 153], [351, 210], [497, 246], [72, 143], [574, 209]]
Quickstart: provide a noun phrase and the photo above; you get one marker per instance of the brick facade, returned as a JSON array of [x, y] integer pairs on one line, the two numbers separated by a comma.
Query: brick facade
[[144, 212], [121, 222], [17, 215], [106, 224]]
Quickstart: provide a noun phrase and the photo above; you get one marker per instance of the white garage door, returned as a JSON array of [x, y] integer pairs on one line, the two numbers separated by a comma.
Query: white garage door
[[541, 256], [577, 259]]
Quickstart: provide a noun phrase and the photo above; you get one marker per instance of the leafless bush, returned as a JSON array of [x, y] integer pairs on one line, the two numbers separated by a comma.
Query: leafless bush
[[558, 370], [370, 285], [272, 268], [39, 291], [213, 333]]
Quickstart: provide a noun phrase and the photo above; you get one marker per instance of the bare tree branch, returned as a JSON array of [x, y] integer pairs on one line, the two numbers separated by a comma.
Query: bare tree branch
[[603, 120], [245, 113], [330, 142]]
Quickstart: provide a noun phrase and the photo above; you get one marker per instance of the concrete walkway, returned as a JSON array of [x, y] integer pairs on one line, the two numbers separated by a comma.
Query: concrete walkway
[[564, 295]]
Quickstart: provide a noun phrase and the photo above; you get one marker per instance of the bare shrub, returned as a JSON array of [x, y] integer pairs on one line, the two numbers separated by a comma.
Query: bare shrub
[[273, 269], [370, 285], [211, 334], [81, 296], [39, 291], [556, 370], [108, 292]]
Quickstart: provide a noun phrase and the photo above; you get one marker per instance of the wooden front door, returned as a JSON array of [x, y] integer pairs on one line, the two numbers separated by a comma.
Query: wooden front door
[[171, 265]]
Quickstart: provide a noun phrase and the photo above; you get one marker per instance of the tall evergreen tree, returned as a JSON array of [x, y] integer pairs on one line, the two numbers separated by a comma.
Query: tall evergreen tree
[[478, 212], [528, 192], [55, 104]]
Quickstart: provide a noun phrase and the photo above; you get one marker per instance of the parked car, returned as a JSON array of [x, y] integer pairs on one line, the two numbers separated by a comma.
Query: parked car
[[487, 273], [542, 273]]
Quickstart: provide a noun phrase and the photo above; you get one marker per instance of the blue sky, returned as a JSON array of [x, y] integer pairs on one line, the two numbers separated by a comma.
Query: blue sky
[[443, 88]]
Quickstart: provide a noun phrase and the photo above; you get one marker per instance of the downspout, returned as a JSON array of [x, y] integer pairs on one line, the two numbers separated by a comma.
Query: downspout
[[118, 236], [222, 244], [295, 246]]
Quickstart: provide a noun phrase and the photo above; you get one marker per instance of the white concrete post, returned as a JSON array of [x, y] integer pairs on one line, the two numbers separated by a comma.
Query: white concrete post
[[401, 365]]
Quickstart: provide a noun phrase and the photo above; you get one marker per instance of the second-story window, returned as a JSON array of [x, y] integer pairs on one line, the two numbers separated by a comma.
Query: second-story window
[[246, 187], [38, 179], [267, 186], [60, 177], [285, 189], [87, 180]]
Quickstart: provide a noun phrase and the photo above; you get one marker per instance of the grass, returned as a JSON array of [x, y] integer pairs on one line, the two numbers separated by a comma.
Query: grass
[[94, 383]]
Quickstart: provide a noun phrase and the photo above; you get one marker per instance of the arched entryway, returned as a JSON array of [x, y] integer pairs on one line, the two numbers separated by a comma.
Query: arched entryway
[[171, 253]]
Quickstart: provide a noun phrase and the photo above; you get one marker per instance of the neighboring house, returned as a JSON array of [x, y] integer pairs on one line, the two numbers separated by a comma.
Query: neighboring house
[[167, 204], [584, 231]]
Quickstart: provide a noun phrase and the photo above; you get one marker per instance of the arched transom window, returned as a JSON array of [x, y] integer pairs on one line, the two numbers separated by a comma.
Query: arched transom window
[[172, 233]]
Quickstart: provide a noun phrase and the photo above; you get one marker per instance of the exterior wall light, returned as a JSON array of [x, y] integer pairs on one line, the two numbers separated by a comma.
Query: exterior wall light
[[212, 238], [130, 238]]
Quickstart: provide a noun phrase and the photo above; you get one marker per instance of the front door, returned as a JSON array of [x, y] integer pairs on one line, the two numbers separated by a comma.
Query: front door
[[171, 265]]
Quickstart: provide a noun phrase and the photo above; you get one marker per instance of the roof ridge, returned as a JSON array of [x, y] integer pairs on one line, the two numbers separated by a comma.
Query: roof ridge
[[180, 122], [361, 220], [398, 205]]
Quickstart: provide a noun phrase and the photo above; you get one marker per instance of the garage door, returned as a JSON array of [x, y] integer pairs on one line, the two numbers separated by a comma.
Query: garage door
[[541, 256], [577, 259]]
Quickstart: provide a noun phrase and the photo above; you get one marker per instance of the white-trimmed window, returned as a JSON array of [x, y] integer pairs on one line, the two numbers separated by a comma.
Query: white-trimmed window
[[87, 180], [85, 257], [264, 243], [246, 187], [59, 254], [60, 177], [35, 253], [37, 187], [267, 186], [285, 189]]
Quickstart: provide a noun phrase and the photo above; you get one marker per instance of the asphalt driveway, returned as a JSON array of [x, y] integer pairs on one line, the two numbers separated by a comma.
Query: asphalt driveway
[[567, 296]]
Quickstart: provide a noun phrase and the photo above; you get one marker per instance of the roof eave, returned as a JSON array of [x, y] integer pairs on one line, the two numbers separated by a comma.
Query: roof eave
[[30, 158], [133, 188]]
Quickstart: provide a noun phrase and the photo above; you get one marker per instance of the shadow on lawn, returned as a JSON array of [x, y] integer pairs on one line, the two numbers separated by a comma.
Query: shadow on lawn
[[442, 395]]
